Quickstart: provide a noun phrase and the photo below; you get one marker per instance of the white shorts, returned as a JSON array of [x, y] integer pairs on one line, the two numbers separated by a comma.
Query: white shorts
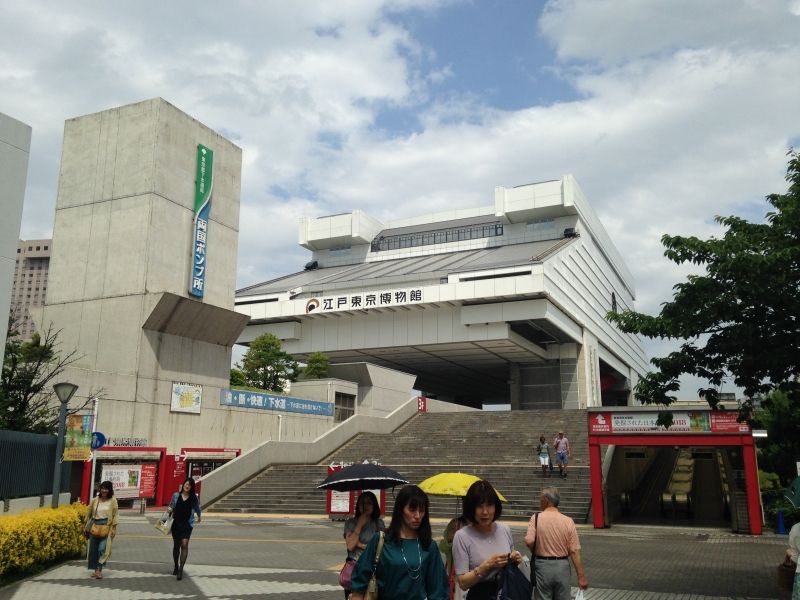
[[544, 461]]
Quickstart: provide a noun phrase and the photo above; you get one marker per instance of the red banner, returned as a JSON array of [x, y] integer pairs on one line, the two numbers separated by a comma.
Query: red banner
[[725, 422], [147, 483], [697, 421]]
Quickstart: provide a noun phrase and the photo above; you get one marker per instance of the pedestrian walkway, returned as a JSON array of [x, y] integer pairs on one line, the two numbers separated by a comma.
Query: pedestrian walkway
[[268, 556], [147, 581], [150, 581]]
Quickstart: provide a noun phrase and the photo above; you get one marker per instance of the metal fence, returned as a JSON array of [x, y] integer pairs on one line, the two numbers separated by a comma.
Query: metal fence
[[26, 465]]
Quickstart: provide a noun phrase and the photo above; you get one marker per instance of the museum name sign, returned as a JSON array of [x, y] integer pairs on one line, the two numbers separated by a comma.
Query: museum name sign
[[364, 301]]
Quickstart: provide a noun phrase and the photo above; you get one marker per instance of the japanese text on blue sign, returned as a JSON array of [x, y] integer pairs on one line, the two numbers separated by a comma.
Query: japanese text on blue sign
[[245, 399]]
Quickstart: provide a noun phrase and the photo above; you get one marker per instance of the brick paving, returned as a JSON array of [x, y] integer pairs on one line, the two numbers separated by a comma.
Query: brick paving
[[298, 558]]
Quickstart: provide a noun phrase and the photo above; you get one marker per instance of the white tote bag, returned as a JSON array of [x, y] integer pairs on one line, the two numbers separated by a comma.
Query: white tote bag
[[164, 524]]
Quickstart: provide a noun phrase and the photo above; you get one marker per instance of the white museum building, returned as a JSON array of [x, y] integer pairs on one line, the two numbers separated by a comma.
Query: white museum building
[[502, 304]]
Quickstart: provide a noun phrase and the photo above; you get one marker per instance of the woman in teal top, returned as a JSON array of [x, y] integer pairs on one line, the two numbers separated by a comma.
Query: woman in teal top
[[410, 566]]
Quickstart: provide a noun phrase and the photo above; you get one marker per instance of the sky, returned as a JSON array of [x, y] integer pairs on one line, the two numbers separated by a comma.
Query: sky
[[667, 113]]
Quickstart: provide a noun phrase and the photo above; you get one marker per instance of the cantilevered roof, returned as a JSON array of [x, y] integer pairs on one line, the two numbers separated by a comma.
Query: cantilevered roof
[[417, 269]]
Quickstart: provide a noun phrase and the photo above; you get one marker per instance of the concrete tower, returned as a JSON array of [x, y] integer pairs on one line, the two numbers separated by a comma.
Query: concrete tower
[[15, 143], [129, 245]]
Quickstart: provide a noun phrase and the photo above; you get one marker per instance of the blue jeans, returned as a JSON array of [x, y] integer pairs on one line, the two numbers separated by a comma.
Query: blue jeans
[[97, 547]]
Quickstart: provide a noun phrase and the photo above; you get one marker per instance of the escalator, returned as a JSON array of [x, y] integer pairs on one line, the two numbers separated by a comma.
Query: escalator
[[679, 486]]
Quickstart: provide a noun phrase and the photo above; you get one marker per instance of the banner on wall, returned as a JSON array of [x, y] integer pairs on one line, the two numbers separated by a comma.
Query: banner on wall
[[186, 397], [78, 438], [246, 399], [682, 422], [131, 481], [204, 187]]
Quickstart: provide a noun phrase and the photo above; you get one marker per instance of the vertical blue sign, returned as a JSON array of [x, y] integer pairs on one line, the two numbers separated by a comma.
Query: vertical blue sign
[[204, 184]]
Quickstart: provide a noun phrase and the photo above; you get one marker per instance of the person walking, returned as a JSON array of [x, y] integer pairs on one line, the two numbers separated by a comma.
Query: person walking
[[359, 529], [409, 566], [482, 548], [543, 452], [553, 540], [183, 507], [563, 453], [104, 513], [793, 558], [446, 547]]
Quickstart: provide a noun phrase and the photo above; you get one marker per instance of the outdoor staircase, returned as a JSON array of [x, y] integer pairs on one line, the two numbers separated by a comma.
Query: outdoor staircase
[[497, 446]]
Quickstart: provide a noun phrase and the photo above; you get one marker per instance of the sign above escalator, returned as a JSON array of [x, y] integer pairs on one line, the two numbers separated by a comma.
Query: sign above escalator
[[639, 422]]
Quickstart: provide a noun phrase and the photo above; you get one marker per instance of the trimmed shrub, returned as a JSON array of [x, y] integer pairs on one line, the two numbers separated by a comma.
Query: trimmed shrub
[[38, 537]]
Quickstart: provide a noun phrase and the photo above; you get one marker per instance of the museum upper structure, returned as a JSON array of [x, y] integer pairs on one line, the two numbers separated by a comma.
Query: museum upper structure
[[502, 304]]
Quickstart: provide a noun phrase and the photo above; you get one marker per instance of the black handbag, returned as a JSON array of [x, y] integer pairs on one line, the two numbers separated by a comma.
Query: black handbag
[[513, 584]]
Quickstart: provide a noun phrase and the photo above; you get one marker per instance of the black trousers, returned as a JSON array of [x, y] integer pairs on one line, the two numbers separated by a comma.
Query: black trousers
[[486, 590]]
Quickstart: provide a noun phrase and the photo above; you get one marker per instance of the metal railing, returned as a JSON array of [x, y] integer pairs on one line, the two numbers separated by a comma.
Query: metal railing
[[26, 465]]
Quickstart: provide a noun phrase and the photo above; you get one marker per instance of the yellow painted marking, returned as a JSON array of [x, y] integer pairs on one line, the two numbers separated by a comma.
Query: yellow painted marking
[[224, 539]]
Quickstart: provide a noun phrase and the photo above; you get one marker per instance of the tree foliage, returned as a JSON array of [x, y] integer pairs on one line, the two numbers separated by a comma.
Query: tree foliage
[[781, 449], [237, 378], [29, 369], [740, 320], [266, 366], [317, 366]]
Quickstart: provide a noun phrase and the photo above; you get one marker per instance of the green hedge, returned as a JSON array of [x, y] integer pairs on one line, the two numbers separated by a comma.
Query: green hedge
[[775, 502], [39, 537]]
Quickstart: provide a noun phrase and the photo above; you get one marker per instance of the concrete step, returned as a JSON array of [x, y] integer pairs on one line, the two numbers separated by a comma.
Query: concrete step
[[494, 446]]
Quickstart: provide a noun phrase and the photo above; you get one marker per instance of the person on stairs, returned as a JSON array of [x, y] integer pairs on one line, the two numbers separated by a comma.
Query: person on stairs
[[563, 453], [543, 453]]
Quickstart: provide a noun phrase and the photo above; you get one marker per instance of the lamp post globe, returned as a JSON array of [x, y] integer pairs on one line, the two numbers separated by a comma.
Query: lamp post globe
[[64, 391]]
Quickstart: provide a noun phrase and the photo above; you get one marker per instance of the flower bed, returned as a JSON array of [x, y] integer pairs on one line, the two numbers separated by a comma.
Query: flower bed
[[36, 538]]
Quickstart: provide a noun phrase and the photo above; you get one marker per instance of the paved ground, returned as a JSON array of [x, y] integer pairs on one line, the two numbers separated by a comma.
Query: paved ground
[[252, 558]]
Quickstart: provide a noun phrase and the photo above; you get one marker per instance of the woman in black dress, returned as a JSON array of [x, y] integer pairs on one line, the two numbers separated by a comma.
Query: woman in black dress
[[183, 506]]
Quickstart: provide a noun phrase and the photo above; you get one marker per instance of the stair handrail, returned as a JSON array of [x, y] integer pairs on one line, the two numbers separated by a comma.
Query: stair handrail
[[234, 473]]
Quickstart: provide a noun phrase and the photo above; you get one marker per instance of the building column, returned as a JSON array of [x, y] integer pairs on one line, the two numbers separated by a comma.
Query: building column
[[513, 385], [589, 372], [568, 372], [751, 485], [596, 477]]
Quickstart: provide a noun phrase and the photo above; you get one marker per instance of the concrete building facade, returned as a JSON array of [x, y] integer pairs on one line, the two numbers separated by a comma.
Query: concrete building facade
[[504, 303], [15, 144], [126, 254], [31, 272]]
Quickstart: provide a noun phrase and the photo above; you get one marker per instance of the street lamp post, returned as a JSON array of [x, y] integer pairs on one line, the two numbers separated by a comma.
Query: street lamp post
[[64, 391]]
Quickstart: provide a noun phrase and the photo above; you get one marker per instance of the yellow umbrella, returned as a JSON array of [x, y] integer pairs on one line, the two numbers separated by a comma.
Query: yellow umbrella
[[452, 484]]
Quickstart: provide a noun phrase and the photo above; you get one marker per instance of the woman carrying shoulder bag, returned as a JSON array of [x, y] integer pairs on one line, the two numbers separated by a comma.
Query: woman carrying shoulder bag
[[483, 548], [183, 507], [101, 527], [409, 566], [358, 531]]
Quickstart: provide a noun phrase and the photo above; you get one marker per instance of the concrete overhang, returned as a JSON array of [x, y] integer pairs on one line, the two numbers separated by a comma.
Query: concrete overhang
[[523, 310], [179, 316]]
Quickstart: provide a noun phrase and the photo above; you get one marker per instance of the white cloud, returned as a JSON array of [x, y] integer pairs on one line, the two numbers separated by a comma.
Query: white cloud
[[681, 111], [612, 31]]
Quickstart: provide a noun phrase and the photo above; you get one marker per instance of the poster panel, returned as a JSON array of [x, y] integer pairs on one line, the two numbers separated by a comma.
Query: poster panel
[[725, 422], [186, 397], [78, 438], [340, 502], [147, 483], [682, 422], [124, 478]]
